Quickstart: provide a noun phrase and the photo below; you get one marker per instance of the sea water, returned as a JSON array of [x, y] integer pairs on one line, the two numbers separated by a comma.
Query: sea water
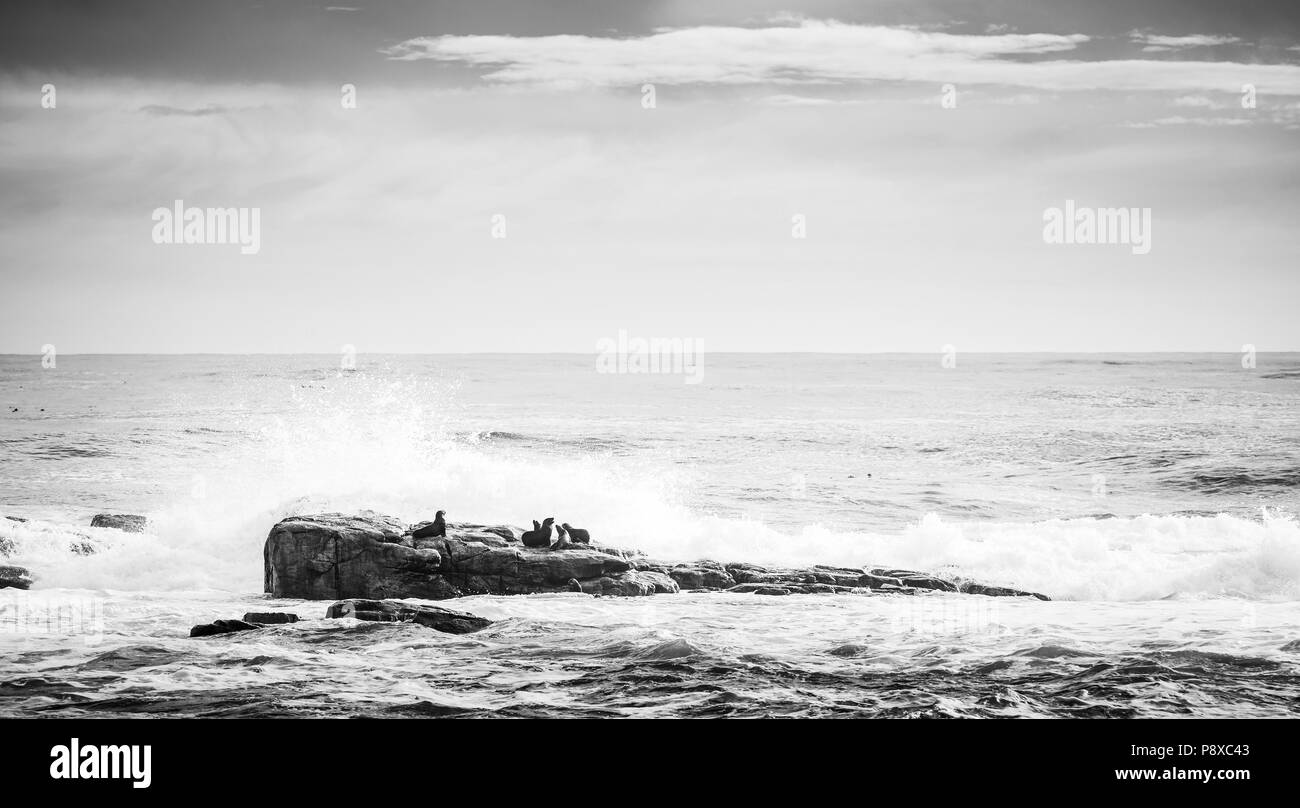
[[1152, 497]]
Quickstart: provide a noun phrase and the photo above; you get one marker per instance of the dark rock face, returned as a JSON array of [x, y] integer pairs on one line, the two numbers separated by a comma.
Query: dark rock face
[[332, 556], [15, 577], [337, 556], [270, 618], [392, 611], [128, 522], [221, 627]]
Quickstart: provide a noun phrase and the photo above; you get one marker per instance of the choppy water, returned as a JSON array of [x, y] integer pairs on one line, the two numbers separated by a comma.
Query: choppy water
[[1153, 497]]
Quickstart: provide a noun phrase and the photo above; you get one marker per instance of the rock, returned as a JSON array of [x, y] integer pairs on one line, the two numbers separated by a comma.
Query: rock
[[848, 650], [6, 546], [917, 580], [270, 618], [633, 583], [747, 573], [336, 556], [972, 588], [790, 589], [701, 575], [15, 577], [15, 519], [872, 581], [221, 627], [332, 556], [487, 534], [356, 555], [83, 545], [661, 583], [127, 522], [392, 611]]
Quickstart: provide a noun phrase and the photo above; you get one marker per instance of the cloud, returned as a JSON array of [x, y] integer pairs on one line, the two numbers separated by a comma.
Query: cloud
[[1155, 42], [831, 52], [1198, 101], [788, 100], [1180, 120], [163, 109]]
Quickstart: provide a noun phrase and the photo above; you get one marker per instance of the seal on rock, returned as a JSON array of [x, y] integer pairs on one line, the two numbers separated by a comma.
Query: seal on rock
[[576, 534], [539, 536], [561, 539], [435, 529]]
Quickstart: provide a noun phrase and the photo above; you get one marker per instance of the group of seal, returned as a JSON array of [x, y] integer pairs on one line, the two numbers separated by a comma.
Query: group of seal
[[566, 535], [538, 537]]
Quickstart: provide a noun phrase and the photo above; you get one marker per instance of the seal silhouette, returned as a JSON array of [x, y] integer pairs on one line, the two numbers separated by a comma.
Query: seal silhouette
[[434, 529], [540, 535], [577, 535], [561, 539]]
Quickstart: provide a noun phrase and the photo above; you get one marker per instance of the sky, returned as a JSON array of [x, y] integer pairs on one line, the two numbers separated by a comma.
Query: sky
[[914, 145]]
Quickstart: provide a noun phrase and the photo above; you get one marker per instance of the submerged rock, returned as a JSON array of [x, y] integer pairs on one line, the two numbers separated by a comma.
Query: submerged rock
[[392, 611], [972, 588], [634, 583], [221, 627], [337, 556], [791, 589], [128, 522], [270, 618], [15, 578], [82, 545]]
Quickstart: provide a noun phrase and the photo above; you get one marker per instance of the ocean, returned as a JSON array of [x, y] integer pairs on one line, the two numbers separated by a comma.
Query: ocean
[[1153, 497]]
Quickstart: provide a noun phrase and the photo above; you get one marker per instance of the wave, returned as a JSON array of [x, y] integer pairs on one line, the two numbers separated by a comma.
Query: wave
[[212, 545], [388, 447]]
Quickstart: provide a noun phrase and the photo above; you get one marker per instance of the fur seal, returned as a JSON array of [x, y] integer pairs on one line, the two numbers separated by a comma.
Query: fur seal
[[539, 536], [435, 529], [576, 534], [561, 539]]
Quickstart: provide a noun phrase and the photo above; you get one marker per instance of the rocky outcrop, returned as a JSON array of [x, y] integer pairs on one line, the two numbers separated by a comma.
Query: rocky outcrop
[[392, 611], [15, 578], [128, 522], [221, 627], [270, 618], [374, 557], [333, 556]]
